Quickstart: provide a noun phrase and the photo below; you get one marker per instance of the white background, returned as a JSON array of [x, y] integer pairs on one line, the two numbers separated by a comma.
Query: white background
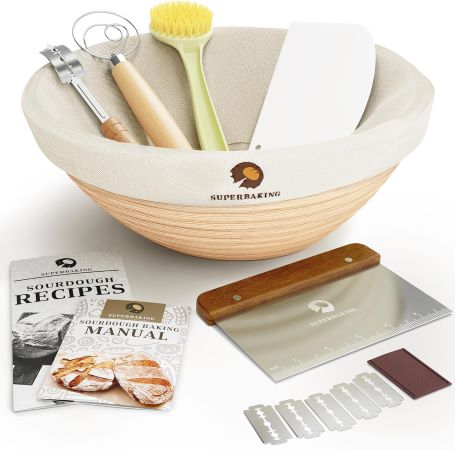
[[410, 222]]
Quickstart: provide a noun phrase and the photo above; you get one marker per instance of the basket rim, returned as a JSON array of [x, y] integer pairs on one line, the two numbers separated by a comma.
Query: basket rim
[[393, 138]]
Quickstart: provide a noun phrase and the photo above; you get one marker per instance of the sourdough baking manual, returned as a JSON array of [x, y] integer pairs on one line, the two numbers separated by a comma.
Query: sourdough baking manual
[[45, 293], [120, 353]]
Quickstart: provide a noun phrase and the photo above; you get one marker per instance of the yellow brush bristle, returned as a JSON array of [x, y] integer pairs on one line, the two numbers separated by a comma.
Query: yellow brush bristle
[[181, 19]]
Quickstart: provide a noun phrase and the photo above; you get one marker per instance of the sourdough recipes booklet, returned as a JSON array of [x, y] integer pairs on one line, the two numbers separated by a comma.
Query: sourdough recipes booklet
[[45, 293], [120, 353]]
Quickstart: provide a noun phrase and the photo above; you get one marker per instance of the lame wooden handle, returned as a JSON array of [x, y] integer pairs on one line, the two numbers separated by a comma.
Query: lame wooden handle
[[114, 130], [150, 112], [233, 298]]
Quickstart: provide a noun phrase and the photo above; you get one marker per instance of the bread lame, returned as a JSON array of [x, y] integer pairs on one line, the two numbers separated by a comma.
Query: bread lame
[[320, 86], [298, 316], [70, 71]]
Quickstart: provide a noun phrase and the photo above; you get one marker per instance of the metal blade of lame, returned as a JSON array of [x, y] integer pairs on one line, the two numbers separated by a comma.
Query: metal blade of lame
[[64, 62], [294, 334], [70, 70]]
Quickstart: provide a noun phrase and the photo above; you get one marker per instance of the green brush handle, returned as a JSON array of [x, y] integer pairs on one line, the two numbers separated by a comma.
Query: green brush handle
[[208, 126]]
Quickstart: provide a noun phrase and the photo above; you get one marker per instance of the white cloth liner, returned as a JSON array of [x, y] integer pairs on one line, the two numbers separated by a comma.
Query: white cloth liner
[[239, 63]]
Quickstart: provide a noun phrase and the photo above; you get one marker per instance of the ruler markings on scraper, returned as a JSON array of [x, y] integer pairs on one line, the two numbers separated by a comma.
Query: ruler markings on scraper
[[280, 372]]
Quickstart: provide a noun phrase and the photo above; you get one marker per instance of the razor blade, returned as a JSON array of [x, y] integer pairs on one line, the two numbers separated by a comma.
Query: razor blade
[[299, 418], [355, 401], [267, 424], [378, 390], [330, 412]]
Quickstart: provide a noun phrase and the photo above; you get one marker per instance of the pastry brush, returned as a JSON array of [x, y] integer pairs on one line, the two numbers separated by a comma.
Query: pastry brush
[[187, 27]]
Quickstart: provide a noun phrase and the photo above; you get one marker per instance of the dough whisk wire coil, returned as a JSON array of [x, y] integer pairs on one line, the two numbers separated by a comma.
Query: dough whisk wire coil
[[117, 33]]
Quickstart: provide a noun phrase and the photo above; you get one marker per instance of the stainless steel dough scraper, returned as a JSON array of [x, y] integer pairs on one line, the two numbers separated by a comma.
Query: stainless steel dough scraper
[[298, 316]]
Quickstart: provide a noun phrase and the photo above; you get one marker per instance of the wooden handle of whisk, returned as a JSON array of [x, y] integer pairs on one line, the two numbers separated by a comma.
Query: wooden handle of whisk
[[150, 112], [114, 130]]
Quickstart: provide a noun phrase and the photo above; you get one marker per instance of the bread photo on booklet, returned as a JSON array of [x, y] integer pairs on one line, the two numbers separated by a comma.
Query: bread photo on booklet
[[87, 373], [143, 379], [120, 353]]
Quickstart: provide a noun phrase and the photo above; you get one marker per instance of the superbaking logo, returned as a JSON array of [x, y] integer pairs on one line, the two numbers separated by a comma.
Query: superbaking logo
[[323, 309], [137, 311], [321, 306], [135, 308], [246, 175], [66, 266], [250, 175], [66, 262]]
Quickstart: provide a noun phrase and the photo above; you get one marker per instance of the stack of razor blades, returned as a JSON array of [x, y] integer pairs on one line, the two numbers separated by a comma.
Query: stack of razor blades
[[363, 398]]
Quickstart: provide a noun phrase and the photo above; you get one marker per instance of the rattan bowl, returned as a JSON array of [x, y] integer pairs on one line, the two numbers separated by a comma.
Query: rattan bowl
[[168, 195], [239, 233]]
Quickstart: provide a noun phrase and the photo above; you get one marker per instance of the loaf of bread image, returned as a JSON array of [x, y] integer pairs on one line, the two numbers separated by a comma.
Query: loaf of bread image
[[142, 379], [88, 373], [38, 335]]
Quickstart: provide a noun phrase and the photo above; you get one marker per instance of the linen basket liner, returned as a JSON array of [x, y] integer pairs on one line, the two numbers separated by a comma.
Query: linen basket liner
[[239, 64]]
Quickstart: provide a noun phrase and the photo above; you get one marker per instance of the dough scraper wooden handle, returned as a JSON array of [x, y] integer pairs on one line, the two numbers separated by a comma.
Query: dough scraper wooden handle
[[233, 298]]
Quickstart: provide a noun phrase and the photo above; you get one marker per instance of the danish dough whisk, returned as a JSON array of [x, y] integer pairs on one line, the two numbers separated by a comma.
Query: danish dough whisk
[[123, 39]]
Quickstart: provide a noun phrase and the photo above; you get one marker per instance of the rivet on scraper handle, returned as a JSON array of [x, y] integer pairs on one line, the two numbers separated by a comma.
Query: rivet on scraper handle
[[241, 295]]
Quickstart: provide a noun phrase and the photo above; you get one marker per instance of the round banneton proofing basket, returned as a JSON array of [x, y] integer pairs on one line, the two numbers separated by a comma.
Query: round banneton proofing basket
[[189, 200]]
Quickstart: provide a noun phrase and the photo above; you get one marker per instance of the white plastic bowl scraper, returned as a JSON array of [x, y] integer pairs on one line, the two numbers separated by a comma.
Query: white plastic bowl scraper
[[320, 87]]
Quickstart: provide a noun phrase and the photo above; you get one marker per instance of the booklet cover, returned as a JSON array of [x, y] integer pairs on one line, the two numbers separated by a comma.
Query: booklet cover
[[120, 353], [45, 293]]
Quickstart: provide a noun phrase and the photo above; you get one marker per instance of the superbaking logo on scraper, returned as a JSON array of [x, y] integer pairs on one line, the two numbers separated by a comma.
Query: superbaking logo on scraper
[[321, 306]]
